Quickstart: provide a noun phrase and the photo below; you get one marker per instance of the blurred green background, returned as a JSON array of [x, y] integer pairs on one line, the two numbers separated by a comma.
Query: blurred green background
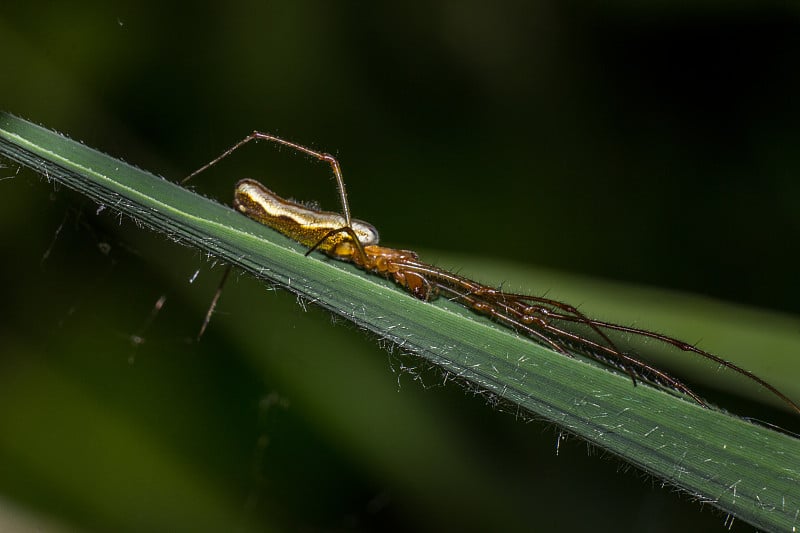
[[653, 145]]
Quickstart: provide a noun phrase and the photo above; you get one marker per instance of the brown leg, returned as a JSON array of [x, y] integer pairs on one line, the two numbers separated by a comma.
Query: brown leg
[[257, 135]]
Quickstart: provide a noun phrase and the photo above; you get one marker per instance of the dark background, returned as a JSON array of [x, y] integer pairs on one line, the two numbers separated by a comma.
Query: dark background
[[650, 145]]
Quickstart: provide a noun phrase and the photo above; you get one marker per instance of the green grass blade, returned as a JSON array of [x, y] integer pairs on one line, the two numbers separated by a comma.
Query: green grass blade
[[748, 471]]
